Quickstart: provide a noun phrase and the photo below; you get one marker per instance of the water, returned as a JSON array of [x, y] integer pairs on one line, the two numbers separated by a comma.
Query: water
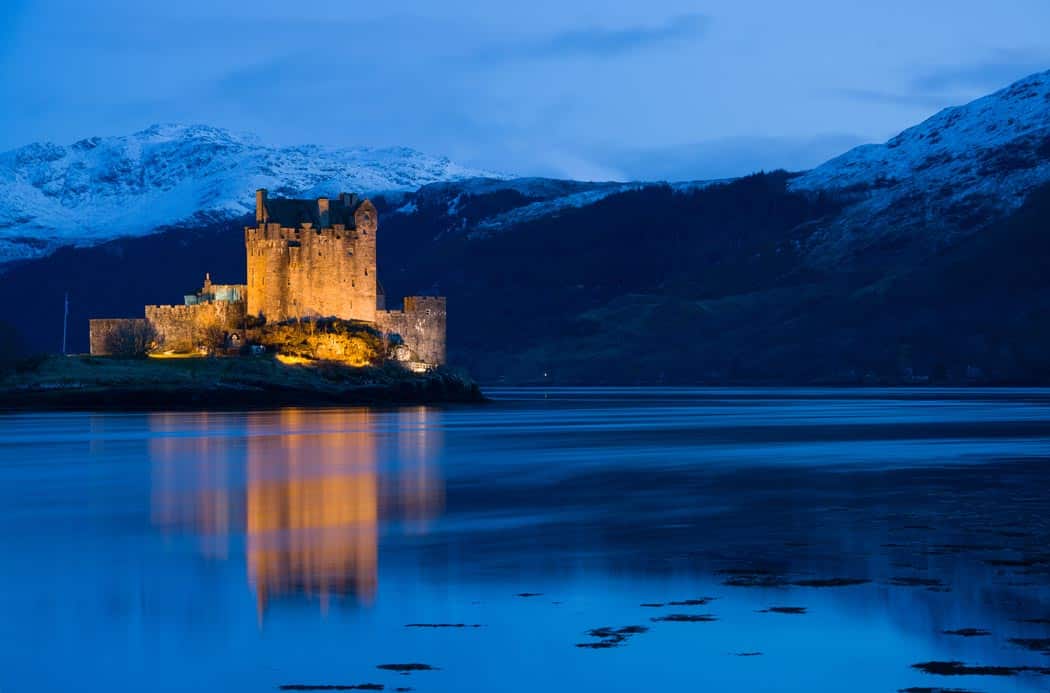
[[245, 551]]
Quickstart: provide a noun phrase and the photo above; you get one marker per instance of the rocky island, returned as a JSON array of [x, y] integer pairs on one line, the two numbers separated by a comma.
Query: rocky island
[[310, 327], [109, 383]]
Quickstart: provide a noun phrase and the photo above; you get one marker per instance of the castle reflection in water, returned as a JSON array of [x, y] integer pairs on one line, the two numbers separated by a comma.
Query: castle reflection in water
[[307, 490]]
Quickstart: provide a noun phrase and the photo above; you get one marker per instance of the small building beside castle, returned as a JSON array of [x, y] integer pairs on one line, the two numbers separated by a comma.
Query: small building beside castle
[[306, 260]]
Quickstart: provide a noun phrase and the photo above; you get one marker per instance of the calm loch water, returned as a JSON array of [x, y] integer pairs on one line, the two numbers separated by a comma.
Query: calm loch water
[[561, 540]]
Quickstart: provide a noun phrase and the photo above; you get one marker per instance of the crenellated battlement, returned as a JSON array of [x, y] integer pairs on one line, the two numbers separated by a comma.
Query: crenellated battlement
[[312, 258], [278, 233]]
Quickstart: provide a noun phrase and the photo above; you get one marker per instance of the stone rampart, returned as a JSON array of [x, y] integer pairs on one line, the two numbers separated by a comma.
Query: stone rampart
[[420, 327], [184, 328]]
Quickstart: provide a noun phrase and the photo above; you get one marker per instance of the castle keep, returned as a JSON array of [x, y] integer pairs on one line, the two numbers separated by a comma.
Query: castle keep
[[306, 259], [312, 258]]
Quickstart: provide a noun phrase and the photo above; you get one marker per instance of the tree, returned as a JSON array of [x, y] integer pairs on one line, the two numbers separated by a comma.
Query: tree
[[11, 349], [212, 338], [130, 339]]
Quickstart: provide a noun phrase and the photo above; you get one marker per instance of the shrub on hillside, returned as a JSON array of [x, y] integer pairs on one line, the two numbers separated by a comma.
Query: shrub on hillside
[[326, 339], [212, 338], [130, 339], [11, 350]]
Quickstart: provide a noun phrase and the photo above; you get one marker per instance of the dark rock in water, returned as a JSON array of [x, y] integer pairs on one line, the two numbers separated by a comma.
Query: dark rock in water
[[960, 669], [784, 610], [654, 605], [529, 594], [332, 687], [967, 632], [684, 618], [831, 582], [406, 668], [600, 645], [754, 580], [1016, 563], [609, 637], [1041, 645], [748, 654], [702, 601], [908, 581], [924, 689], [443, 625]]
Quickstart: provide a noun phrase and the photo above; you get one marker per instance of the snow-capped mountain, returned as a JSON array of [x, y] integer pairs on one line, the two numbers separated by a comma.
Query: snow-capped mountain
[[960, 169], [956, 172], [506, 202], [106, 187]]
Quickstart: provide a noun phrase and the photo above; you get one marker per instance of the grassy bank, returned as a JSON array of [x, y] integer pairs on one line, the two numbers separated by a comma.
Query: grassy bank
[[97, 383]]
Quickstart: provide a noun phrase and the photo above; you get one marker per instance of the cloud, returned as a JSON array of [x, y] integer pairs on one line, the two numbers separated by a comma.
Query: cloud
[[984, 76], [727, 157], [907, 98], [946, 85], [602, 43]]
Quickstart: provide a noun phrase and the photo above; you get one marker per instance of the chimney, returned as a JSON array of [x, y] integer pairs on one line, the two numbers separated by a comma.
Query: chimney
[[322, 212], [349, 200], [261, 217]]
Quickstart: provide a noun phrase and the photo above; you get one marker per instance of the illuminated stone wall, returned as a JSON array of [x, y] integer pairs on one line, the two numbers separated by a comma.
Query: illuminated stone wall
[[421, 327], [183, 327]]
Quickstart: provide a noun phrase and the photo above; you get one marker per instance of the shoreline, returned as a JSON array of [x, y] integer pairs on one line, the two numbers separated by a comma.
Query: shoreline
[[114, 385]]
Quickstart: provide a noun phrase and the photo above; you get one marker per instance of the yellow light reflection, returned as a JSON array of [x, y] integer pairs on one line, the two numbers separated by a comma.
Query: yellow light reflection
[[304, 487], [312, 510]]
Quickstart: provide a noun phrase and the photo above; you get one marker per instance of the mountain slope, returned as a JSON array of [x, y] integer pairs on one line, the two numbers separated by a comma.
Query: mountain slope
[[102, 188], [940, 180], [921, 258], [647, 286]]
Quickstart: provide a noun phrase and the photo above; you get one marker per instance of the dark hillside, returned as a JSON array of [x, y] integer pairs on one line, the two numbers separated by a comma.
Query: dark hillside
[[654, 285]]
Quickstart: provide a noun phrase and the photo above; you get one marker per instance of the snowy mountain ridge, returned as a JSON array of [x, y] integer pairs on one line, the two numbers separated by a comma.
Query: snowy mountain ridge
[[106, 187], [950, 174]]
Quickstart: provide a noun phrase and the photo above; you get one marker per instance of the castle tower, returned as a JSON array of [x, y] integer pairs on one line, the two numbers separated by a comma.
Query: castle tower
[[312, 258]]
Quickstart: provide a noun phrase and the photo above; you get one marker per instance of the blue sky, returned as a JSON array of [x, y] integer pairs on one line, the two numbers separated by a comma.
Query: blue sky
[[575, 88]]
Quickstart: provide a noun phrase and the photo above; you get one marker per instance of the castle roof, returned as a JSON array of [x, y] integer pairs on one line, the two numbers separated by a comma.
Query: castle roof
[[292, 213]]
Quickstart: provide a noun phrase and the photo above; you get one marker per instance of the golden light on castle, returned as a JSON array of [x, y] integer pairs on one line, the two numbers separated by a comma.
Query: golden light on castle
[[306, 260]]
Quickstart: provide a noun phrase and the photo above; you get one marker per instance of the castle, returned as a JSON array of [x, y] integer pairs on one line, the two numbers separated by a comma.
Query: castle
[[306, 259]]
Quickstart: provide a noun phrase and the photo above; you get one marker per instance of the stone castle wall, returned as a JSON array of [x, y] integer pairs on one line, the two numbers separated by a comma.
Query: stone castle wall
[[421, 327], [311, 272], [183, 328], [100, 331]]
